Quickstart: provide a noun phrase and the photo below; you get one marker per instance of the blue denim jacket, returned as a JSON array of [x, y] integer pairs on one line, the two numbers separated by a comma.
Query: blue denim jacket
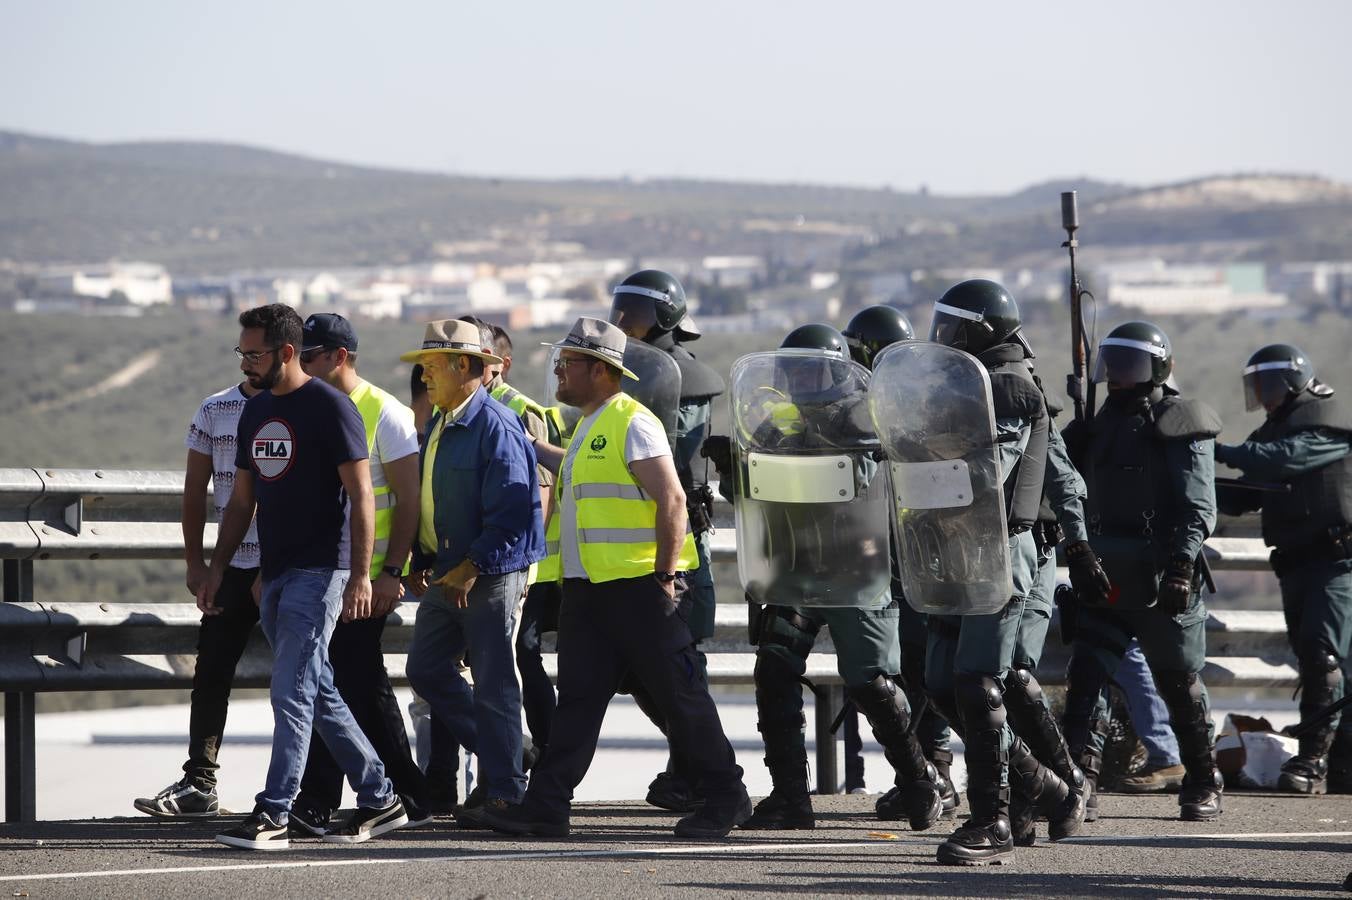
[[487, 505]]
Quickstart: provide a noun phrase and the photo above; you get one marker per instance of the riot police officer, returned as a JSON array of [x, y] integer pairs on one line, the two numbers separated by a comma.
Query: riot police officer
[[1306, 444], [813, 538], [970, 656], [1147, 456], [650, 306], [1060, 519], [870, 331]]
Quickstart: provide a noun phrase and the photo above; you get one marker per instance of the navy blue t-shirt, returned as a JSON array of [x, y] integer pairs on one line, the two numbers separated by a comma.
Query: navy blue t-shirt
[[294, 444]]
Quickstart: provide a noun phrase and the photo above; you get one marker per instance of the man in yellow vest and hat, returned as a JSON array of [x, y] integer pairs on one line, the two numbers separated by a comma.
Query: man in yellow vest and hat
[[623, 540]]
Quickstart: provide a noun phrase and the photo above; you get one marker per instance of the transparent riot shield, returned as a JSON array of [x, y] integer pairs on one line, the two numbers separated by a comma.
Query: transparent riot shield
[[931, 405], [658, 386], [811, 501]]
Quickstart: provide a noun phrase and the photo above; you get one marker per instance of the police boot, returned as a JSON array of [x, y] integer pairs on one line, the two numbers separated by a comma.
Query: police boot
[[1085, 683], [985, 837], [1307, 771], [918, 799], [1033, 722], [1048, 794], [1022, 820], [942, 760], [1199, 800], [789, 806]]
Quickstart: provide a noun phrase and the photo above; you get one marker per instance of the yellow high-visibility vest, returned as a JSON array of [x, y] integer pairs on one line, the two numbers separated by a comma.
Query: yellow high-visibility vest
[[370, 400], [616, 521]]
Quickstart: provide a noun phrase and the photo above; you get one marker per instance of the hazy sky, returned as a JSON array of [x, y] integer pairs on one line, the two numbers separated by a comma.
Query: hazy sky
[[959, 96]]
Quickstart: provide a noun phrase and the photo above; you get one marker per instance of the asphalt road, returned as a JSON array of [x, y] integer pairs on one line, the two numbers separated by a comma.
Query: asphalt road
[[1264, 845]]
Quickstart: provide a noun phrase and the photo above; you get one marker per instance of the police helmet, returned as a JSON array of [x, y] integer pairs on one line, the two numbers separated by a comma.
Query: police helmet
[[975, 315], [874, 328], [1135, 353], [816, 337], [647, 300], [1274, 373]]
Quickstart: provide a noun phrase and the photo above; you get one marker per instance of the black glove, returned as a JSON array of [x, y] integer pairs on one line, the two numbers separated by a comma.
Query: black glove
[[1176, 587], [1091, 583], [717, 448]]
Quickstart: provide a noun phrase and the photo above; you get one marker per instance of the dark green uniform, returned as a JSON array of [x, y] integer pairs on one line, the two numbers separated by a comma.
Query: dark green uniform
[[969, 658], [1148, 460], [866, 642], [1306, 443]]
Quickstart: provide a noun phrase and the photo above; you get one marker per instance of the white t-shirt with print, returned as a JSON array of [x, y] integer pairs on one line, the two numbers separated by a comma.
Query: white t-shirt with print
[[213, 433], [645, 439]]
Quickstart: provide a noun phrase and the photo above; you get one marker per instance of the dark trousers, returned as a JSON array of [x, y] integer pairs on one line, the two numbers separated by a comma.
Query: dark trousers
[[220, 644], [364, 684], [630, 626], [539, 614]]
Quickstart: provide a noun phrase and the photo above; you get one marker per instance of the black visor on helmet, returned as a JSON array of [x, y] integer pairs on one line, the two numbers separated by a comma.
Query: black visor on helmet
[[635, 313], [1268, 383], [1124, 361], [951, 323]]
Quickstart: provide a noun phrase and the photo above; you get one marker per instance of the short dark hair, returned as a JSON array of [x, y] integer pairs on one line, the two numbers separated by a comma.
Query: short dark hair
[[476, 365], [485, 330], [280, 324], [416, 388], [502, 341]]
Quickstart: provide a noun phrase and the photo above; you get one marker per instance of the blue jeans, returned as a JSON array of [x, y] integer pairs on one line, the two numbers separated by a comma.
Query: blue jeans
[[485, 718], [1149, 715], [298, 612]]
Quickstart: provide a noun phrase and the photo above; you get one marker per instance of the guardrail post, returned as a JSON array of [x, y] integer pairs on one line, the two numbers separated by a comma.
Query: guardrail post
[[829, 700], [20, 719], [20, 759]]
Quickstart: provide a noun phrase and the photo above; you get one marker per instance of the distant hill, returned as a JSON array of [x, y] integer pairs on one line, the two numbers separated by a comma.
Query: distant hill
[[208, 207]]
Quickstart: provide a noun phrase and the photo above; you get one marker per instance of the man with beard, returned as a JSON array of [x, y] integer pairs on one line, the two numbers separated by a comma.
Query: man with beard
[[301, 460]]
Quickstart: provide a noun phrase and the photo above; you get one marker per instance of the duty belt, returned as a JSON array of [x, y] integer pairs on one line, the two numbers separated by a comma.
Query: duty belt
[[1332, 546]]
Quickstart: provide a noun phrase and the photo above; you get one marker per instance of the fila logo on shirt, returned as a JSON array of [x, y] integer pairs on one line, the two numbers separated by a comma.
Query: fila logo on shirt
[[273, 449]]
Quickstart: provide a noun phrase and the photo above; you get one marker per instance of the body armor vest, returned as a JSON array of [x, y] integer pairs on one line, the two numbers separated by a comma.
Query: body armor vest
[[1130, 494], [1320, 499]]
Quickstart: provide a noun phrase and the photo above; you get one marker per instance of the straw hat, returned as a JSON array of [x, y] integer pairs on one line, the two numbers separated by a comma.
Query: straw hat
[[450, 336], [597, 339]]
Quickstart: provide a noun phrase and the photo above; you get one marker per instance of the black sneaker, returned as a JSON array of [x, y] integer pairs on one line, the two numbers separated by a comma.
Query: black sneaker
[[977, 844], [368, 822], [181, 800], [786, 811], [308, 821], [464, 812], [259, 831], [476, 816], [715, 818], [418, 814], [672, 793], [519, 820]]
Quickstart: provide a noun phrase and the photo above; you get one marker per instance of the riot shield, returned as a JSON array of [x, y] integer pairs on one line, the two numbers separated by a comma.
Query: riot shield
[[932, 407], [658, 386], [811, 505]]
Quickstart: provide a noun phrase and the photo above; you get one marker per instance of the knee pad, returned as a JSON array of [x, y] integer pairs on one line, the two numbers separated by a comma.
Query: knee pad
[[884, 705], [1181, 687], [783, 626], [1022, 688], [980, 702], [1085, 681]]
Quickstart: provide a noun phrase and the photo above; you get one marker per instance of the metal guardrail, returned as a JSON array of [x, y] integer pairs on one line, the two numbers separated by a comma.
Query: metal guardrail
[[61, 645]]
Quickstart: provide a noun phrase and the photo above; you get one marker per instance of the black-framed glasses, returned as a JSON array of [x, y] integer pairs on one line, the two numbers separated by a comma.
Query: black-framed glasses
[[309, 356], [564, 362], [253, 357]]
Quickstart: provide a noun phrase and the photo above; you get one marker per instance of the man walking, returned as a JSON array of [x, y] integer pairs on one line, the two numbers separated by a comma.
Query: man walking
[[228, 622], [330, 353], [481, 498], [301, 461], [623, 538]]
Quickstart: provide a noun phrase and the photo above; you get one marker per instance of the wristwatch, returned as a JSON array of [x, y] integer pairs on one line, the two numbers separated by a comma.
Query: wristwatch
[[665, 577], [393, 571]]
